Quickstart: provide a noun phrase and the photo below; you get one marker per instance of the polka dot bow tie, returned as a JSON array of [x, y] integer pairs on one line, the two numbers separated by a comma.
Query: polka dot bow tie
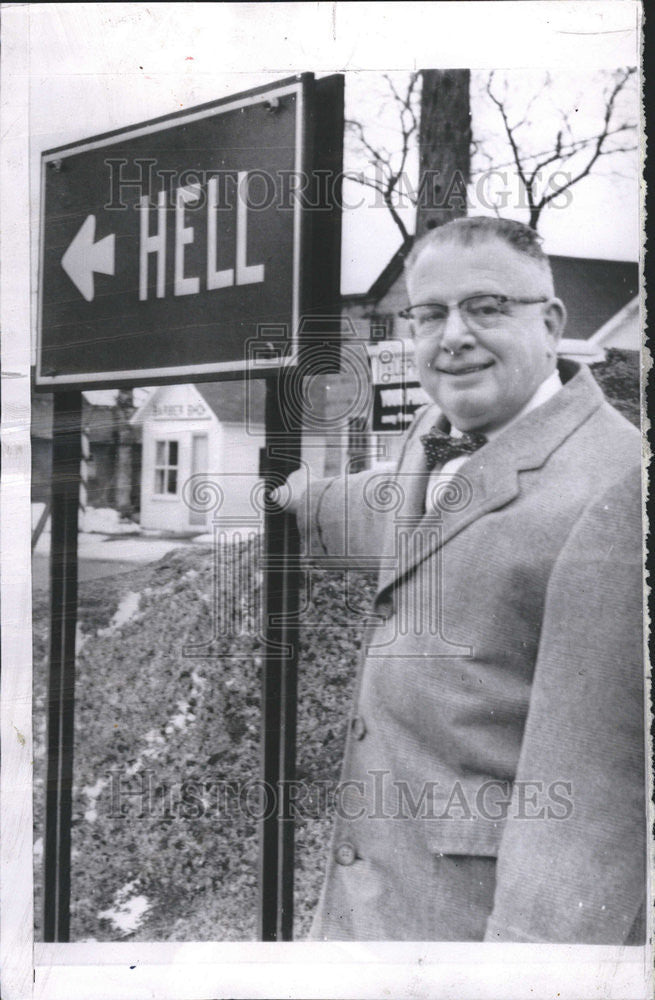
[[440, 447]]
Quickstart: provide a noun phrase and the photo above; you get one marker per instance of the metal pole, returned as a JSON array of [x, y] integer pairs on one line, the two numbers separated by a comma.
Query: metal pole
[[66, 453], [279, 678]]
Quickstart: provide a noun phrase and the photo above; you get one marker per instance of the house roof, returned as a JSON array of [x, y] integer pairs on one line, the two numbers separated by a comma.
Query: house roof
[[593, 290], [622, 329], [390, 273], [229, 399]]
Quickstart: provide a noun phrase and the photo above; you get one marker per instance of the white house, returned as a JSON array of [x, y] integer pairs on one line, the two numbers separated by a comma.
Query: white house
[[200, 442]]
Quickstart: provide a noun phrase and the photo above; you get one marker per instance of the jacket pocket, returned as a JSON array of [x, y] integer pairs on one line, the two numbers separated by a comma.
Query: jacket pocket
[[477, 837]]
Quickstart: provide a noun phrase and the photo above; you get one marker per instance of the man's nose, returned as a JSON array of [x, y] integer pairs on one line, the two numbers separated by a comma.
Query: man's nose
[[456, 334]]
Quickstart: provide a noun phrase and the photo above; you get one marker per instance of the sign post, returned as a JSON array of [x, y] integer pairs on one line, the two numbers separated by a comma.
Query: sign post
[[279, 677], [66, 455], [166, 249]]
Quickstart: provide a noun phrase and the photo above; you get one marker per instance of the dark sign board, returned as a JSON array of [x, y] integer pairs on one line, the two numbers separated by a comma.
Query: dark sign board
[[394, 405], [397, 393], [171, 247]]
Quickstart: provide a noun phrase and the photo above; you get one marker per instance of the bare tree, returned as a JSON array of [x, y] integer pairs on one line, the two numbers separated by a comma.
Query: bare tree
[[546, 168], [390, 166], [542, 138]]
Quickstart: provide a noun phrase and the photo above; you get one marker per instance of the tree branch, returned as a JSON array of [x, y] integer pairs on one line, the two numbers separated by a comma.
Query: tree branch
[[530, 166]]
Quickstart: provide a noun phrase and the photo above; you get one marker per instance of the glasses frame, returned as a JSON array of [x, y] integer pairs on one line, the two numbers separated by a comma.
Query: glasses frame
[[406, 313]]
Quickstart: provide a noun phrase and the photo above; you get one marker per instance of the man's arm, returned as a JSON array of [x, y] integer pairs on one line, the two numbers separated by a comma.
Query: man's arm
[[336, 517], [344, 516], [571, 864]]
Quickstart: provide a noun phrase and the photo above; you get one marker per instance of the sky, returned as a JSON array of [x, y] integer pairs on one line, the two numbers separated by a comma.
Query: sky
[[94, 67]]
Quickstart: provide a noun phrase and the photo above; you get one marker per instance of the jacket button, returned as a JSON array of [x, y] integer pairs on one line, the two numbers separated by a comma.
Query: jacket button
[[358, 727], [345, 854]]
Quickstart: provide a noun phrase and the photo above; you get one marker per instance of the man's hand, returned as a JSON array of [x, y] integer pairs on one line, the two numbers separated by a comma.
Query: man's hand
[[288, 496]]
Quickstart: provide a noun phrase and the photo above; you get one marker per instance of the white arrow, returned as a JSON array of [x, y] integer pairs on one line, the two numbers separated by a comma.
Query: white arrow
[[83, 257]]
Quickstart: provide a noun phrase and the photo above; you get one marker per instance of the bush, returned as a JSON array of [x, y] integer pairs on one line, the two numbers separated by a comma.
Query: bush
[[618, 377]]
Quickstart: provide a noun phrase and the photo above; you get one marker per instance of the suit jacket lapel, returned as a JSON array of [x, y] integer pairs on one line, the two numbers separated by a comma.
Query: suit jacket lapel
[[489, 479]]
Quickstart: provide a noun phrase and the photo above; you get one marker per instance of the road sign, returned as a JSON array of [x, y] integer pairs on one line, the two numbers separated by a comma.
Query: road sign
[[167, 245]]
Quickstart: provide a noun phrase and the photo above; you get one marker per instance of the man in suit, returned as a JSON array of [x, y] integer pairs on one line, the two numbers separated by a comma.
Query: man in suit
[[481, 798]]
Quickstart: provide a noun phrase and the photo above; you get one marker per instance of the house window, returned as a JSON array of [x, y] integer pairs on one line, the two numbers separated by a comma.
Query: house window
[[166, 467]]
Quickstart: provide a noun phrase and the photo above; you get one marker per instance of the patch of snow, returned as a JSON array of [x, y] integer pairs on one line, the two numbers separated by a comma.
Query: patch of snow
[[92, 792], [127, 910], [105, 521], [176, 722], [100, 397], [80, 637], [155, 743], [199, 682], [38, 848], [127, 608]]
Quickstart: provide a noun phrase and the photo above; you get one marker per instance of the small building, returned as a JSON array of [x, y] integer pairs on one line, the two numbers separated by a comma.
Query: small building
[[212, 431]]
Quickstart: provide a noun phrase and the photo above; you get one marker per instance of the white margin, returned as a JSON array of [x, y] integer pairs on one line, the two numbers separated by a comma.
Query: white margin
[[16, 881]]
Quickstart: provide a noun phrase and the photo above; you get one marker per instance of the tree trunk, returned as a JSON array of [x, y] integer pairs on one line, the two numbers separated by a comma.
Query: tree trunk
[[444, 147]]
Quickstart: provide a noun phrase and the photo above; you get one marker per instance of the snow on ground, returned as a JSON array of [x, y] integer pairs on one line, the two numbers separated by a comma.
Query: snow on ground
[[127, 608], [127, 910], [98, 520], [92, 792], [106, 521], [80, 637]]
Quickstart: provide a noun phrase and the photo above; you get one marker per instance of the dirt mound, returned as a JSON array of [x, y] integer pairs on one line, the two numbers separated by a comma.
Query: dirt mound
[[166, 801]]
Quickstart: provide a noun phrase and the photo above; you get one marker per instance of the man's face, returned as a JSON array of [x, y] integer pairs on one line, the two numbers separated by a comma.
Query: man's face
[[482, 379]]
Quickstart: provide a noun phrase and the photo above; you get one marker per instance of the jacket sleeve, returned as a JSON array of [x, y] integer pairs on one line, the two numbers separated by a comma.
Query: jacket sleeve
[[339, 517], [345, 517], [572, 858]]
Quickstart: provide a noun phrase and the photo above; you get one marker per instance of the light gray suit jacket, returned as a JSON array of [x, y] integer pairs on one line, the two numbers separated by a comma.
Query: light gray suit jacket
[[493, 775]]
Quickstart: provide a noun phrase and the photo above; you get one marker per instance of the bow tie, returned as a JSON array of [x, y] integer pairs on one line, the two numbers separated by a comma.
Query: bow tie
[[440, 447]]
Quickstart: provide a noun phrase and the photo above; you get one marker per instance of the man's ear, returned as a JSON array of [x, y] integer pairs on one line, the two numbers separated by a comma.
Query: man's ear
[[555, 318]]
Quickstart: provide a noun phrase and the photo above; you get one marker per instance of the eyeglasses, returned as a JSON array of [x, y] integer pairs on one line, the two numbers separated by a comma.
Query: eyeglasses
[[479, 312]]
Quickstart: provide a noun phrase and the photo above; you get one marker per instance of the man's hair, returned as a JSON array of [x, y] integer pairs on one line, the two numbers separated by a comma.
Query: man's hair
[[468, 231]]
